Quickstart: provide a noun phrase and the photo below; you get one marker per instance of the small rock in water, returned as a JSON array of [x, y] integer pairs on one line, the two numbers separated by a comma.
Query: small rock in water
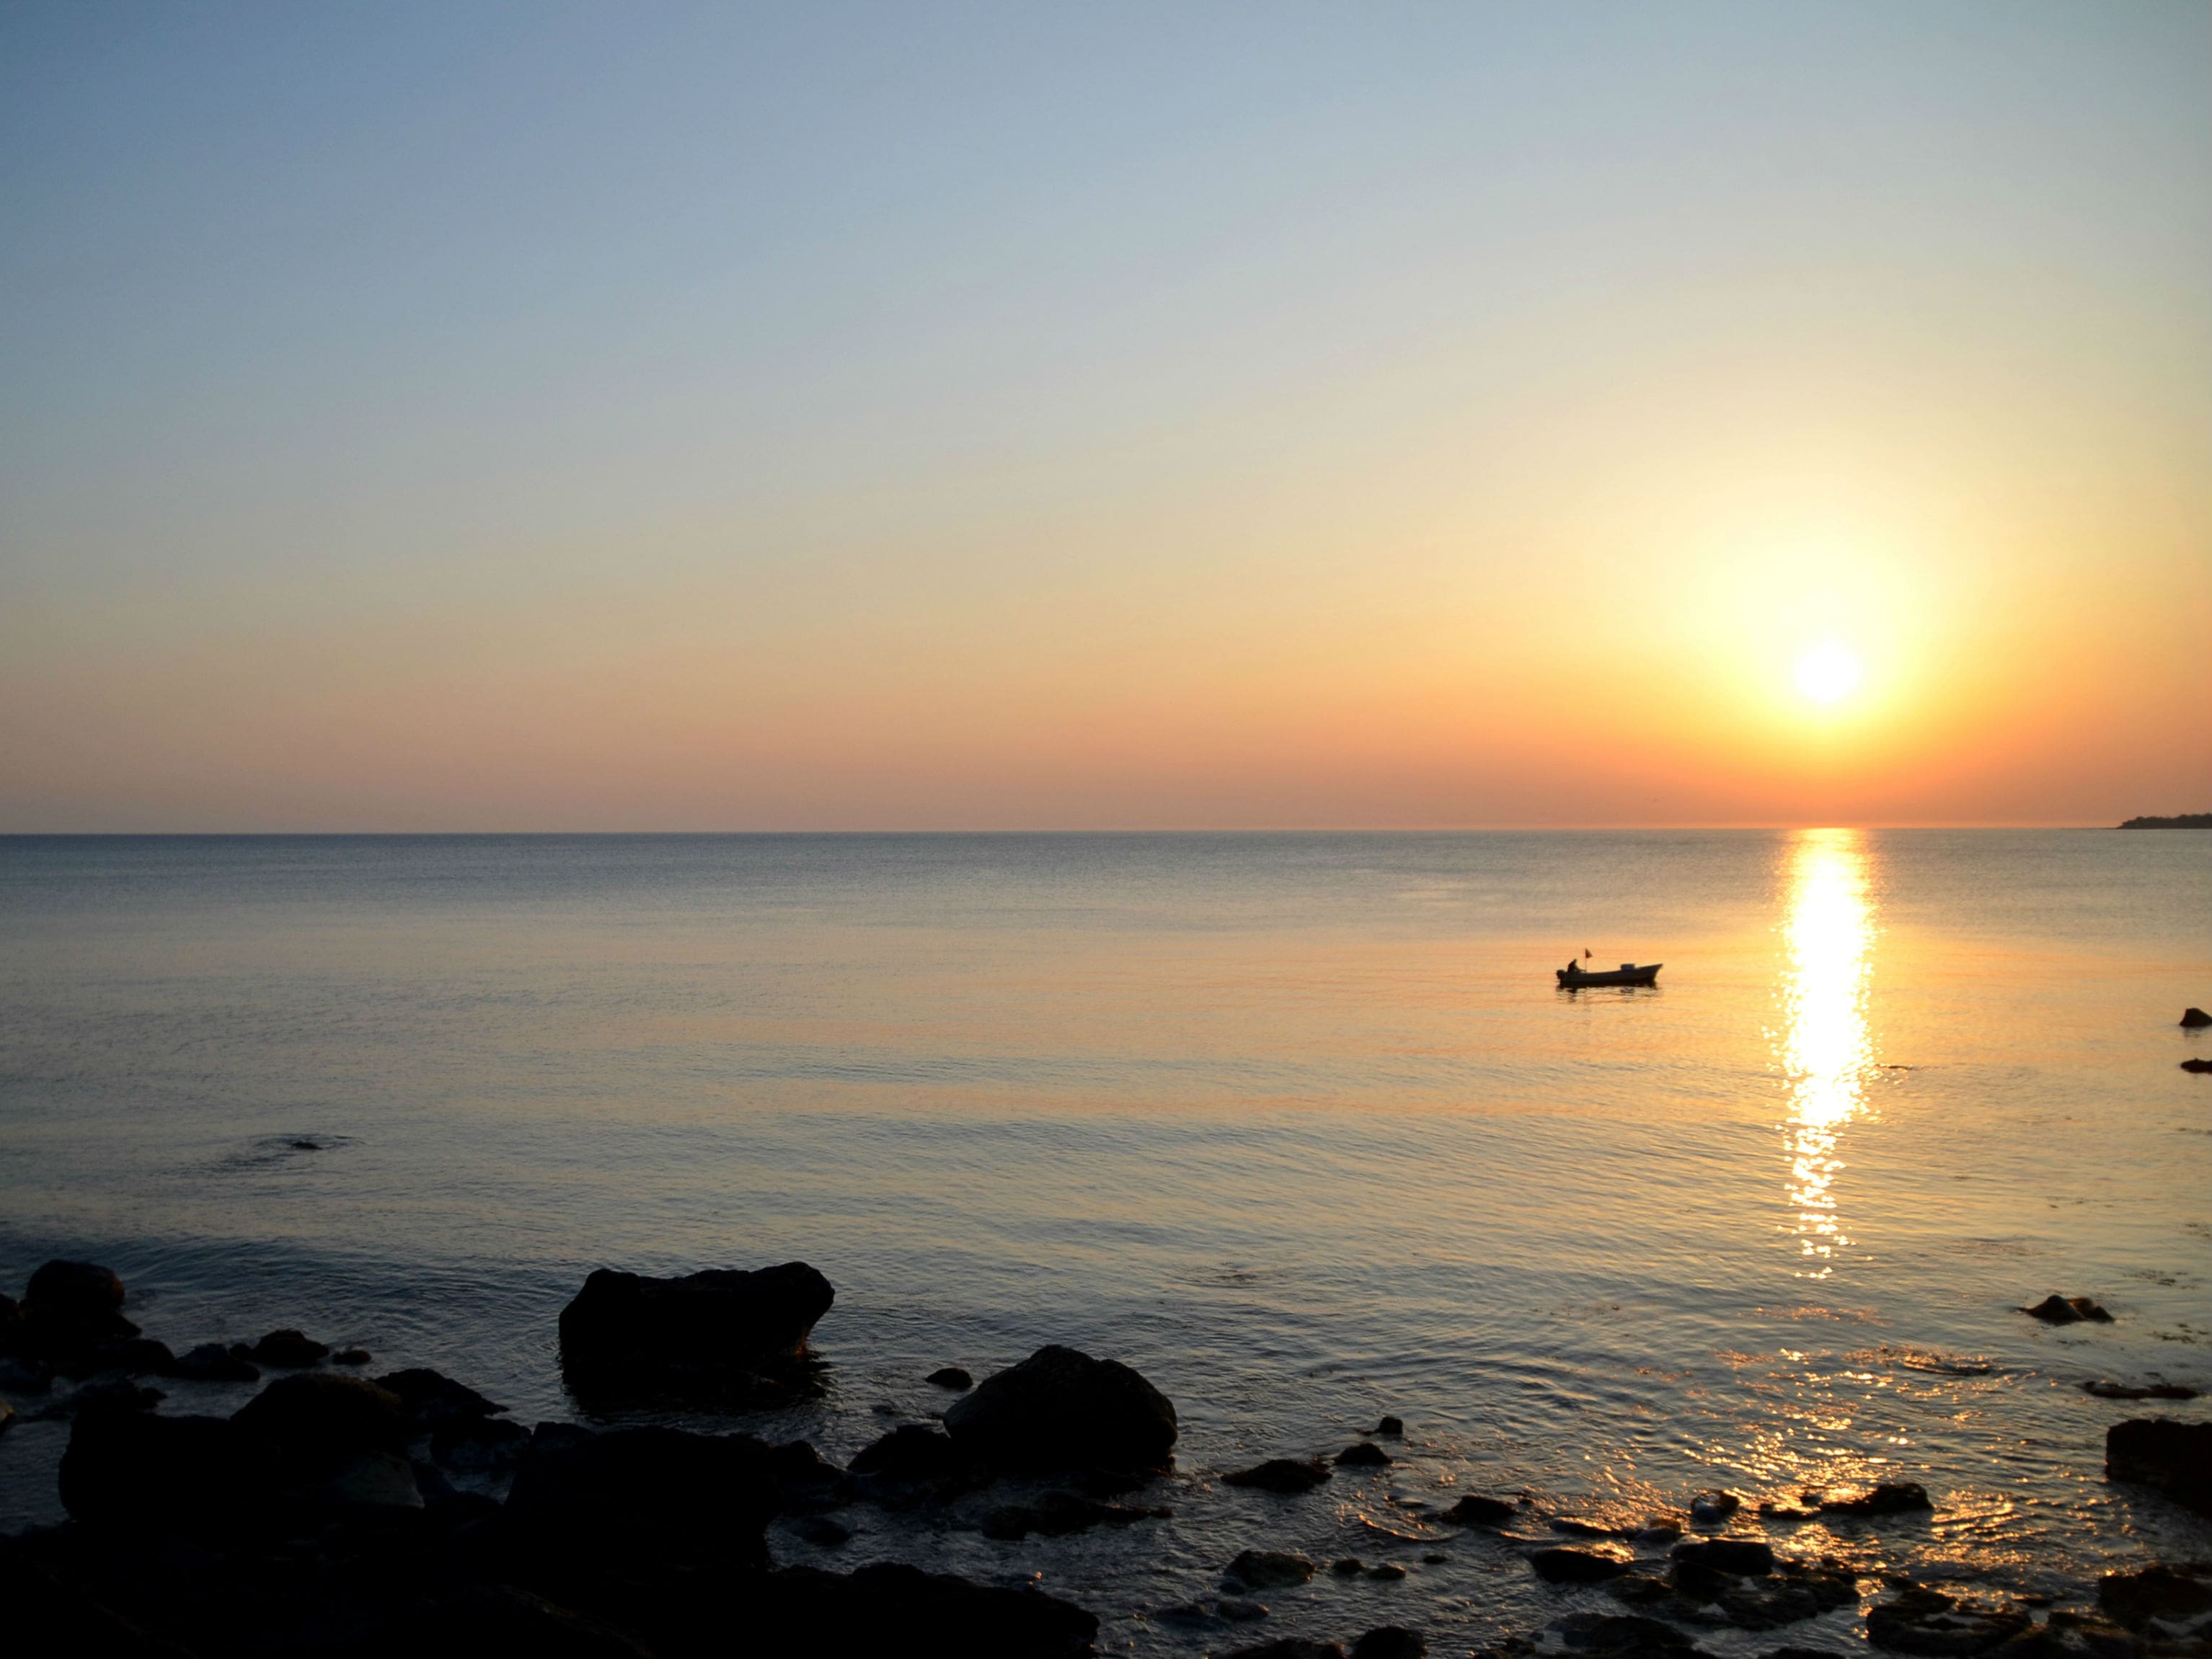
[[2195, 1018], [211, 1362], [2196, 1065], [1348, 1566], [351, 1357], [430, 1398], [2055, 1309], [304, 1145], [1388, 1573], [1435, 1558], [1390, 1426], [1281, 1475], [951, 1377], [1362, 1454], [1269, 1568], [1710, 1509], [1061, 1409], [1566, 1565], [1619, 1633], [1740, 1557], [1658, 1532], [288, 1348], [1890, 1498], [1473, 1510], [1390, 1642], [2108, 1390], [1770, 1510]]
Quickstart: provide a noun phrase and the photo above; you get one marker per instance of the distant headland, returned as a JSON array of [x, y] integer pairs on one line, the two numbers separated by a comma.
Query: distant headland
[[2185, 821]]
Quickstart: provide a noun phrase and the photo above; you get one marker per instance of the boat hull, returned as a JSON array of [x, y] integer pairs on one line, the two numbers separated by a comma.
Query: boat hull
[[1571, 979]]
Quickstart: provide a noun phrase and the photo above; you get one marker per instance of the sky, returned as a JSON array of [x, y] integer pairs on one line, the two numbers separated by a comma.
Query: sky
[[647, 416]]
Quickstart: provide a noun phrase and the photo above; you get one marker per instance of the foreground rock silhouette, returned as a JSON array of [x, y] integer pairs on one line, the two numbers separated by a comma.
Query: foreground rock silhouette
[[1059, 1409]]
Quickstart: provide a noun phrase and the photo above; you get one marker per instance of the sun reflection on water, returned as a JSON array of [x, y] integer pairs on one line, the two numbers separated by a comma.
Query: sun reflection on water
[[1825, 1049]]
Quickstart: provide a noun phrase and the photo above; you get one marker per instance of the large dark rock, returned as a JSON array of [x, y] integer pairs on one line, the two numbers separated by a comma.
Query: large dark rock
[[1281, 1475], [71, 1306], [134, 1468], [1927, 1621], [1363, 1454], [1061, 1409], [315, 1423], [650, 1489], [721, 1331], [432, 1400], [2155, 1592], [2171, 1457]]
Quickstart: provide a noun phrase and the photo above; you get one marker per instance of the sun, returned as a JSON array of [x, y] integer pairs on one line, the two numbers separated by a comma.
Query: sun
[[1827, 673]]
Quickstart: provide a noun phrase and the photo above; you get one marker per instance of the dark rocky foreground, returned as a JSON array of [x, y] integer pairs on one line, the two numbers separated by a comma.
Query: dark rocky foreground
[[337, 1513]]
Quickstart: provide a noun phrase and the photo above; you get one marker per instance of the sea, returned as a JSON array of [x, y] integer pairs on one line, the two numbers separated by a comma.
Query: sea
[[1300, 1126]]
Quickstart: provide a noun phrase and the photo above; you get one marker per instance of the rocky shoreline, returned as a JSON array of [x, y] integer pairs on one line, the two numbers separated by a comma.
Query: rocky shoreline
[[339, 1511]]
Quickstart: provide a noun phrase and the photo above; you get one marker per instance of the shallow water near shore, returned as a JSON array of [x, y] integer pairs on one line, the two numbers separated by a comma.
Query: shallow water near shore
[[1296, 1125]]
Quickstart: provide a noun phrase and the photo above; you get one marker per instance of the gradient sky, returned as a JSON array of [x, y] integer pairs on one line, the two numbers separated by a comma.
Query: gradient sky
[[633, 416]]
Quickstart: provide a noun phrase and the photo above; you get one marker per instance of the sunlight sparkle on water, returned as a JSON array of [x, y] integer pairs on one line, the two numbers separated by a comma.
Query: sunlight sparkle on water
[[1826, 1050]]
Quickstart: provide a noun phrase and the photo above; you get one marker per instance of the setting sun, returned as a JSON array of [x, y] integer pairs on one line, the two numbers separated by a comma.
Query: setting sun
[[1827, 673]]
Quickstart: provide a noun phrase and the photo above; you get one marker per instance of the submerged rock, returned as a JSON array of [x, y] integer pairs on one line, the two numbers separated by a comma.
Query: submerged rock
[[719, 1331], [1282, 1474], [1564, 1564], [1474, 1511], [211, 1362], [1390, 1428], [2170, 1457], [1061, 1409], [1269, 1568], [2055, 1309], [2105, 1389], [288, 1349], [1363, 1454], [1710, 1509], [954, 1378]]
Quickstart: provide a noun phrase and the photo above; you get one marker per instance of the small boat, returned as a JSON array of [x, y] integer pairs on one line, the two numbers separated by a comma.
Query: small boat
[[1628, 973]]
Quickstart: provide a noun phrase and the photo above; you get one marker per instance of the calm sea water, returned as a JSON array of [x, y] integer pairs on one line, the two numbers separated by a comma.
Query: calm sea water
[[1296, 1125]]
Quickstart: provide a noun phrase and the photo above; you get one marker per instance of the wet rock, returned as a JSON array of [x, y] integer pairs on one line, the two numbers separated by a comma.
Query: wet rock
[[351, 1357], [1435, 1558], [1290, 1647], [1803, 1592], [1389, 1427], [910, 1453], [1566, 1564], [820, 1530], [1928, 1621], [1241, 1609], [1387, 1572], [1269, 1568], [1710, 1509], [1281, 1475], [71, 1306], [1391, 1642], [1640, 1589], [1363, 1454], [2071, 1636], [1473, 1510], [476, 1445], [2196, 1065], [375, 1480], [1659, 1531], [2110, 1390], [287, 1350], [2155, 1592], [951, 1377], [1749, 1558], [135, 1469], [1061, 1409], [1349, 1566], [2056, 1310], [315, 1423], [1770, 1510], [2195, 1018], [431, 1400], [2171, 1457], [1574, 1526], [211, 1362], [717, 1332], [1058, 1514], [1890, 1498]]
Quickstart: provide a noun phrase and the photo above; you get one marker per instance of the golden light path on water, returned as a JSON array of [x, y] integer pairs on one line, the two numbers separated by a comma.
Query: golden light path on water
[[1826, 1050]]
